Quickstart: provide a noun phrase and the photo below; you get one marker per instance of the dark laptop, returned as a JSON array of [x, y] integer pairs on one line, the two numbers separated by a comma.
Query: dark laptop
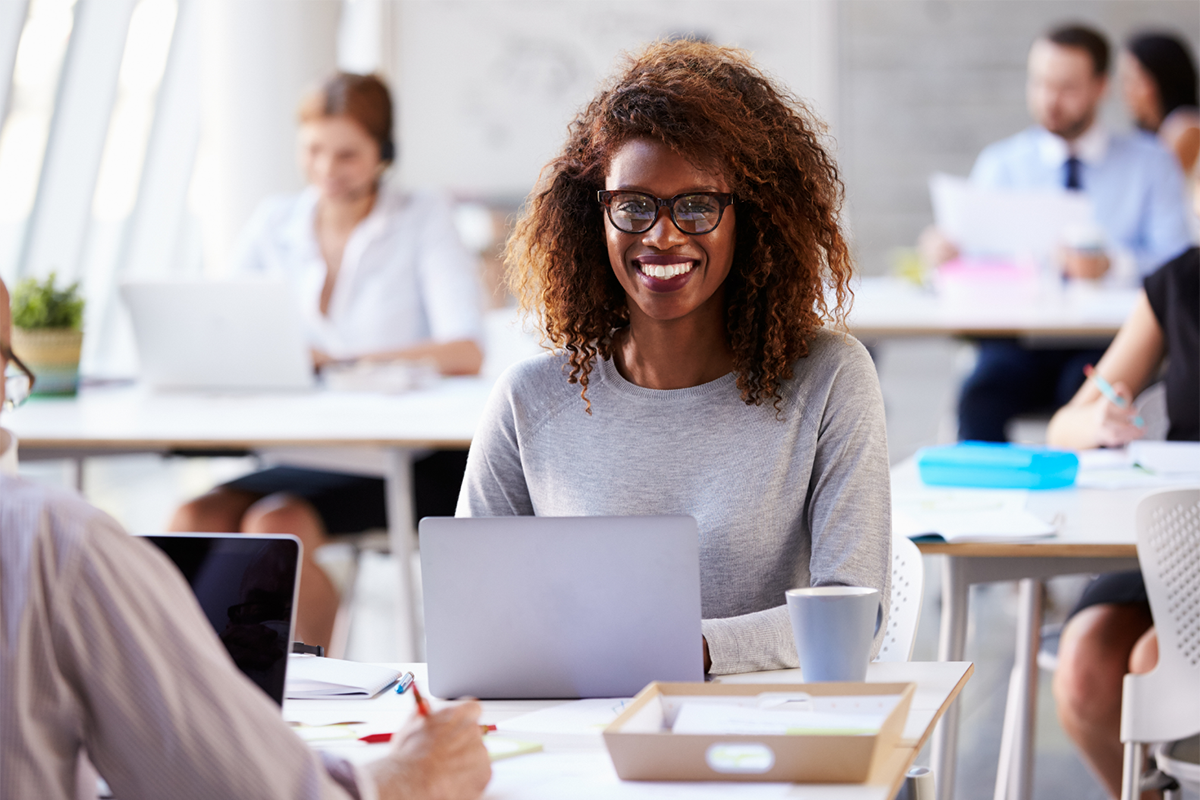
[[246, 584]]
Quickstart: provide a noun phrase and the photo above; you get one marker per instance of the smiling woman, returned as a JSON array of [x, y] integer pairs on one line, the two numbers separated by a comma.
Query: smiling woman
[[678, 253]]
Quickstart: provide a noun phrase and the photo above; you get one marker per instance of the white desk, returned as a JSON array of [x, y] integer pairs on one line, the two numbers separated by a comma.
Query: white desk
[[383, 429], [1096, 535], [891, 307], [577, 766]]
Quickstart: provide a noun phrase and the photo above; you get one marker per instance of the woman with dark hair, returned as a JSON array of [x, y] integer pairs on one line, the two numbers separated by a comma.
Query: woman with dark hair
[[1159, 85], [682, 254], [380, 275]]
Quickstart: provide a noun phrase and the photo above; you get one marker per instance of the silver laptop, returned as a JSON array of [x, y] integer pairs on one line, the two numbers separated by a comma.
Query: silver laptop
[[247, 585], [560, 607], [227, 335]]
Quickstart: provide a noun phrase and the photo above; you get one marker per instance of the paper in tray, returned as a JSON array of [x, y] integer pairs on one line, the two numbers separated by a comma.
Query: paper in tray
[[643, 746]]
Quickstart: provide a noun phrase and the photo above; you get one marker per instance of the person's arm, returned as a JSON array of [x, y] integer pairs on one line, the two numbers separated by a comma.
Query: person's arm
[[1089, 419], [849, 515], [451, 296], [459, 357], [169, 715], [494, 484], [253, 250], [1181, 135]]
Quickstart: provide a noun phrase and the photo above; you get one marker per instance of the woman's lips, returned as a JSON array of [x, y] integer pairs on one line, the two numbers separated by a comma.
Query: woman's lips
[[663, 273]]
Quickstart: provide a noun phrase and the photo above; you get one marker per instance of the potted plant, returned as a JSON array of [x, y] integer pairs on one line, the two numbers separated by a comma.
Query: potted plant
[[48, 333]]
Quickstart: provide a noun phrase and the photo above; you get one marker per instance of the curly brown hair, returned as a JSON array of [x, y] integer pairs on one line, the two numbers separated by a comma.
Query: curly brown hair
[[711, 105]]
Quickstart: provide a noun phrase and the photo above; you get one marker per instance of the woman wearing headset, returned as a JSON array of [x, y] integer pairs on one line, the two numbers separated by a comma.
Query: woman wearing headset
[[380, 275]]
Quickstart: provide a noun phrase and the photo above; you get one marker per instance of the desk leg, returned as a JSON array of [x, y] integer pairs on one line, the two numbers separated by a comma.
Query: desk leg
[[401, 538], [1025, 675], [952, 643]]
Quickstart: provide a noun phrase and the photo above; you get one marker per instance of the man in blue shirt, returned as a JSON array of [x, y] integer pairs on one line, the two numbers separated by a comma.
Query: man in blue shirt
[[1136, 189]]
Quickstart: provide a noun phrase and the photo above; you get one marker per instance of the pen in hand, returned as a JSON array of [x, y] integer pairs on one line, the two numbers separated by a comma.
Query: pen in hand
[[406, 680], [1110, 393], [423, 709]]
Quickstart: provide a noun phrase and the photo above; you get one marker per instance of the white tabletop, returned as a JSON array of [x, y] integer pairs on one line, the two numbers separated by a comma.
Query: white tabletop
[[886, 306], [576, 764], [133, 417]]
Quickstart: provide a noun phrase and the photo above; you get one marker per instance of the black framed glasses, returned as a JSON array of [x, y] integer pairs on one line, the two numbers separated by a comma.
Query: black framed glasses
[[693, 213], [18, 379]]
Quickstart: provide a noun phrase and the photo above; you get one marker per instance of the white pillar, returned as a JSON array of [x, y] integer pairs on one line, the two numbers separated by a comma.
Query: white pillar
[[258, 57]]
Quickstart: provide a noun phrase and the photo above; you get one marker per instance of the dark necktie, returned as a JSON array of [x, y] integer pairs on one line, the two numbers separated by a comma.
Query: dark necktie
[[1074, 173]]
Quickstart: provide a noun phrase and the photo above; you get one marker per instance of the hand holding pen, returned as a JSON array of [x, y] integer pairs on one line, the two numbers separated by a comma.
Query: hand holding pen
[[1118, 422], [407, 681]]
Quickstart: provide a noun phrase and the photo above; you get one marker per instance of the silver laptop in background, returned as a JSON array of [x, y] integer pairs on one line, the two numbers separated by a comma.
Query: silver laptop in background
[[560, 607], [229, 335]]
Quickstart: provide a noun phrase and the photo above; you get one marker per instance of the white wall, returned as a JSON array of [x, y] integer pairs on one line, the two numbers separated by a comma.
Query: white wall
[[486, 88], [925, 84]]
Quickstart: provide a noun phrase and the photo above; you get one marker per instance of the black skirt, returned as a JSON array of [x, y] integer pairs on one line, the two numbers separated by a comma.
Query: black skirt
[[349, 503], [1120, 588]]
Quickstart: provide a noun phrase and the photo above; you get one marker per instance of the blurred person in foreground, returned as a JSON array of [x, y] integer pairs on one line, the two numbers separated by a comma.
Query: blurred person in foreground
[[1134, 184], [105, 650], [1159, 85], [381, 276], [1110, 632]]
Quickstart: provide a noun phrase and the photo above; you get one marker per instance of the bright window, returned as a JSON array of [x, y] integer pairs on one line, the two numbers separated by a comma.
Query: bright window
[[23, 140]]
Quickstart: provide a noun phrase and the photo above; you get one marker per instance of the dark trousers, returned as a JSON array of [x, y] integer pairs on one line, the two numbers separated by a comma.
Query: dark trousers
[[1011, 379]]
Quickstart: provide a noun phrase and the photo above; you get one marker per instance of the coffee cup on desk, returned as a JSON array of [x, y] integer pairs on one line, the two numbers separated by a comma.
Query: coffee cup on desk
[[834, 627]]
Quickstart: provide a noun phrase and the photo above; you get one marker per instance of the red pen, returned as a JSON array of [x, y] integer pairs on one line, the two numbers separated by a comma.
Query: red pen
[[422, 706]]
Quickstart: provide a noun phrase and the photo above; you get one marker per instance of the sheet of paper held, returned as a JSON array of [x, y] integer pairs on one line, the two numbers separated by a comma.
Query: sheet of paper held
[[771, 714], [966, 515], [1005, 223]]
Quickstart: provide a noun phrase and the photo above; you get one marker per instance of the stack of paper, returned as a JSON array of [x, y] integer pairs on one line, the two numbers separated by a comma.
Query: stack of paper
[[966, 515], [1140, 465], [312, 678]]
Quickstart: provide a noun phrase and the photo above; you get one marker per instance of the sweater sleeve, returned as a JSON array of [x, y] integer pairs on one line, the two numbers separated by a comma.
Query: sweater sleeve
[[848, 512], [494, 484]]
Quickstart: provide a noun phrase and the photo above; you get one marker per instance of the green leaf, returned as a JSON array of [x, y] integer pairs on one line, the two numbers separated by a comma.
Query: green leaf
[[39, 304]]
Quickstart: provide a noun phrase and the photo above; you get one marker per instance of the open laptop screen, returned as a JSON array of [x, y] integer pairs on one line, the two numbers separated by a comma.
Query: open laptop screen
[[246, 585]]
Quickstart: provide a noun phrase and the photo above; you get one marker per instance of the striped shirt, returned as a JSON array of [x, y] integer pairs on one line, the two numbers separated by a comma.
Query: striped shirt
[[103, 648]]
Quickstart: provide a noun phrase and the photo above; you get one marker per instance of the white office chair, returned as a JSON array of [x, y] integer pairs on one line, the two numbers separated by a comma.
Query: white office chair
[[908, 585], [1163, 705]]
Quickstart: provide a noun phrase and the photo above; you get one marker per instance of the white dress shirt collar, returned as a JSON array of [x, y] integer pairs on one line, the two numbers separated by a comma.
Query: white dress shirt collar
[[1089, 148], [8, 452]]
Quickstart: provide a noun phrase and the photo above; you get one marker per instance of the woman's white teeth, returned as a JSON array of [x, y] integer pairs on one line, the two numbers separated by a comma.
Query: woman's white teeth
[[665, 270]]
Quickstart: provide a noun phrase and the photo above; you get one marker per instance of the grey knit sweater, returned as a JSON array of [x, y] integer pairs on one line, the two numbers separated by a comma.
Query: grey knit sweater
[[795, 500]]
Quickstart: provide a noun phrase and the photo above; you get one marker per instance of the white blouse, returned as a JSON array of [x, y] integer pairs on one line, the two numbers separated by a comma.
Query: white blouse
[[405, 276]]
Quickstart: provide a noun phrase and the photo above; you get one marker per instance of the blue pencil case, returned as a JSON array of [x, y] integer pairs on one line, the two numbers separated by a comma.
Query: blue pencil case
[[989, 465]]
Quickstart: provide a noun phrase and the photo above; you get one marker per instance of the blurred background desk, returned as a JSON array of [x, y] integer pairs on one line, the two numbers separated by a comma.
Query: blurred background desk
[[886, 307], [1095, 534], [359, 431]]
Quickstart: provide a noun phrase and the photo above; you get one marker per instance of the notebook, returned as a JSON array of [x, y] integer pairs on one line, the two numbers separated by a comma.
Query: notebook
[[560, 607], [247, 586], [313, 678], [232, 335]]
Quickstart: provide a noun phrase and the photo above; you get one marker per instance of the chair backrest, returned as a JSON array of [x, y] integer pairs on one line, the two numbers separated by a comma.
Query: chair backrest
[[908, 585], [1164, 704]]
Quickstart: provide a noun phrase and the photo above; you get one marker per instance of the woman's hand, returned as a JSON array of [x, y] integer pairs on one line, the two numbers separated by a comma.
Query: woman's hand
[[320, 359], [1114, 425]]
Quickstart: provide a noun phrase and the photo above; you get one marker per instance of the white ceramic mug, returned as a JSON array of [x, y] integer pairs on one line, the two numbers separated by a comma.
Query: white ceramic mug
[[834, 627]]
